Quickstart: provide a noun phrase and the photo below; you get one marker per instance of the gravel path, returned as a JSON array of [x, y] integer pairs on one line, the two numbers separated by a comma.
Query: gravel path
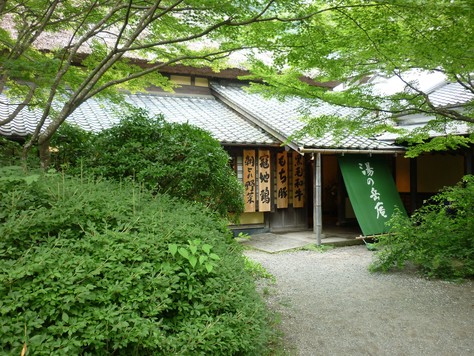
[[331, 305]]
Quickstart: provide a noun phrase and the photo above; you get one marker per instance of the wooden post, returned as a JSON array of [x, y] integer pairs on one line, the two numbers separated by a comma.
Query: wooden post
[[317, 209]]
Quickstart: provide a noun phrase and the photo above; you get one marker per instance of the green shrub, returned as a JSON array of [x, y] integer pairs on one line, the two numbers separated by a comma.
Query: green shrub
[[178, 159], [257, 270], [70, 144], [94, 268], [439, 237], [9, 151]]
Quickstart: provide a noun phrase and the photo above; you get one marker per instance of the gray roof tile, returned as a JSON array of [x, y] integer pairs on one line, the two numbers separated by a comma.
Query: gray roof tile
[[451, 94], [447, 94], [22, 125], [284, 117], [205, 112]]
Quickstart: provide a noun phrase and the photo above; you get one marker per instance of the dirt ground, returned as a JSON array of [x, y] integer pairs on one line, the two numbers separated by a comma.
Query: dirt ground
[[331, 305]]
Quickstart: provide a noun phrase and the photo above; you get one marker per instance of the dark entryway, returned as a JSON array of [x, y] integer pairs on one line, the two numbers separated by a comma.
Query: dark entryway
[[336, 208]]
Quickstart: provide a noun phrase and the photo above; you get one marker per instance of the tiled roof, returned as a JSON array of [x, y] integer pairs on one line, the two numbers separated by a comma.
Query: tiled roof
[[260, 122], [24, 124], [435, 84], [451, 94], [204, 112], [284, 118], [208, 114], [410, 123], [445, 95]]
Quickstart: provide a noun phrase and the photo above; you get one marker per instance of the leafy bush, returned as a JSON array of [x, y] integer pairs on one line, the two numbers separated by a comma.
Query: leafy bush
[[439, 237], [178, 159], [257, 270], [70, 144], [106, 268], [10, 152]]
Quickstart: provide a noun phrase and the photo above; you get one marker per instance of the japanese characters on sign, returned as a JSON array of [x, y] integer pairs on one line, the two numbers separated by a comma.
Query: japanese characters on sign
[[298, 180], [249, 180], [368, 171], [282, 180], [257, 180], [371, 190], [264, 181]]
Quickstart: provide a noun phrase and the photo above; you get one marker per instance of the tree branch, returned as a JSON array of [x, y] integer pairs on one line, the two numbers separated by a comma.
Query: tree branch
[[157, 67], [449, 113], [23, 104], [466, 83], [65, 66]]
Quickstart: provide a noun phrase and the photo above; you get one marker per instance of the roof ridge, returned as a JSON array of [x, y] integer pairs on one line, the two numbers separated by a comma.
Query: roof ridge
[[176, 95]]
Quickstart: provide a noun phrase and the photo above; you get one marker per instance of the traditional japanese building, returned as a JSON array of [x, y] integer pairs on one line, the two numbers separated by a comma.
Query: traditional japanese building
[[290, 183], [420, 178]]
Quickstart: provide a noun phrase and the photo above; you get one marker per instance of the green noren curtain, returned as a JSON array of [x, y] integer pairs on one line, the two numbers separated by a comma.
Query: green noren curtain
[[372, 191]]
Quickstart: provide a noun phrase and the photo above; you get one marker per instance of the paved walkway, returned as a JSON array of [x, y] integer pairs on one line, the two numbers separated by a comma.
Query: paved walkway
[[278, 242]]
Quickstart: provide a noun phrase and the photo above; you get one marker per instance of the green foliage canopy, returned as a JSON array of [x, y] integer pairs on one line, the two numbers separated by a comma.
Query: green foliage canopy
[[357, 39], [54, 55]]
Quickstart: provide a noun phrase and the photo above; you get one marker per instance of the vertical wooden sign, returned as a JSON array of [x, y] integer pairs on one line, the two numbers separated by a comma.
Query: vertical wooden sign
[[264, 181], [298, 180], [249, 179], [282, 180]]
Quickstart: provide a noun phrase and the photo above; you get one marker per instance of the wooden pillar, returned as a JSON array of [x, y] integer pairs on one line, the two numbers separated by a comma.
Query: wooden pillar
[[317, 195]]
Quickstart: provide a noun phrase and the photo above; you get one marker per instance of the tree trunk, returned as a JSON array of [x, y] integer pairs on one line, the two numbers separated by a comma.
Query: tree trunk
[[44, 154], [43, 149]]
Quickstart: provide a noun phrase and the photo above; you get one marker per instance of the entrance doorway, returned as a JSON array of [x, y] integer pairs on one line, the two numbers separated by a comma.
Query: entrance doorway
[[336, 207]]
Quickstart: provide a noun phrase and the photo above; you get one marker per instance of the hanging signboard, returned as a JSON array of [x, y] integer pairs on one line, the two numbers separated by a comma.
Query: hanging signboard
[[282, 180], [298, 180], [264, 186], [372, 191], [249, 180]]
